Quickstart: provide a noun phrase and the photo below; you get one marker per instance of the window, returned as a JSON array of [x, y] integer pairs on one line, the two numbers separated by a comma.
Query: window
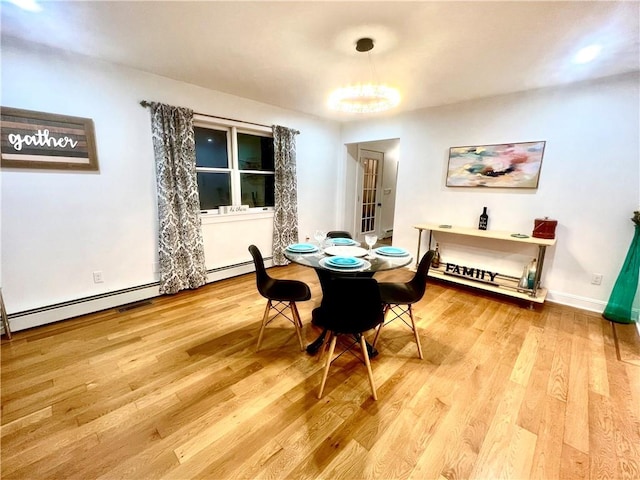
[[234, 165], [257, 175], [212, 167]]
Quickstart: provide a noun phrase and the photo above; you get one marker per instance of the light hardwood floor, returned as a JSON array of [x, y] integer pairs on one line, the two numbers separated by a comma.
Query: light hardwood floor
[[176, 389]]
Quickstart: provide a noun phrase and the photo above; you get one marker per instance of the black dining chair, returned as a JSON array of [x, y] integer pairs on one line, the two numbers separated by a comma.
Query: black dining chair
[[398, 297], [351, 306], [280, 295], [338, 234]]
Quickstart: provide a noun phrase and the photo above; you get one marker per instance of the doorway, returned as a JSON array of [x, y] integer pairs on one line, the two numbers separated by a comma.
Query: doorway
[[369, 182], [370, 194]]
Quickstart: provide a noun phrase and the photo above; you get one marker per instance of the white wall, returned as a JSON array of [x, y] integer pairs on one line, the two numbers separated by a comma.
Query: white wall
[[59, 227], [590, 180], [390, 179]]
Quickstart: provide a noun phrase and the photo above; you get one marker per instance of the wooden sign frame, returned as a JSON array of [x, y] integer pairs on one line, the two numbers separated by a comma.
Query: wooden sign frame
[[41, 140]]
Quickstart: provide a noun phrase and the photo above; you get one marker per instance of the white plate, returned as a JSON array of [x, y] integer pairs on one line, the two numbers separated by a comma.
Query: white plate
[[323, 263], [346, 251]]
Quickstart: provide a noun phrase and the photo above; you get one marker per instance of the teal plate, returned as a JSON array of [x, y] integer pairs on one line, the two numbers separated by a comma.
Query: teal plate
[[343, 241], [302, 248], [345, 262], [391, 251]]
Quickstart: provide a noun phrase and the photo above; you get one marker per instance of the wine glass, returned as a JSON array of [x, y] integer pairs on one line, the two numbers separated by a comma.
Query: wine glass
[[320, 236], [370, 239]]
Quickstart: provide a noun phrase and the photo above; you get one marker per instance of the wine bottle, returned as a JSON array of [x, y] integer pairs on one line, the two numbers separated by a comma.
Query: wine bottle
[[484, 220], [435, 261]]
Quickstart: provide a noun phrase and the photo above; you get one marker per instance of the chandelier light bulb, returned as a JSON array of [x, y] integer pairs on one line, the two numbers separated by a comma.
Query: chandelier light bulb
[[364, 98]]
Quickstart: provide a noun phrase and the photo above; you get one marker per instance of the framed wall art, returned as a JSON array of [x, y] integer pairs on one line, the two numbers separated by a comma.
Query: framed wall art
[[506, 165], [46, 140]]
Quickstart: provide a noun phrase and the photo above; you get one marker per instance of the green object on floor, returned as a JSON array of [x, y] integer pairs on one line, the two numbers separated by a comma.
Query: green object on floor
[[620, 307]]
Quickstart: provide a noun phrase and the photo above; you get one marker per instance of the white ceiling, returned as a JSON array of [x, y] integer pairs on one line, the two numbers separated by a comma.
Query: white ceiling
[[292, 54]]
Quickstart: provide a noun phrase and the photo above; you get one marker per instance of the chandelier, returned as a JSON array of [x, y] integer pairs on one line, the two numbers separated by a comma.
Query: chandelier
[[364, 97]]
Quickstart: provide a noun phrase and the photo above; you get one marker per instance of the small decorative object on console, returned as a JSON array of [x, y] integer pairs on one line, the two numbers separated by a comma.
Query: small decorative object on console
[[528, 278], [544, 228], [484, 220], [531, 274], [435, 261], [523, 284]]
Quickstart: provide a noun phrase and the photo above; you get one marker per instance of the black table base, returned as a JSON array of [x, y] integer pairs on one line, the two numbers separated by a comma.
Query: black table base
[[314, 346]]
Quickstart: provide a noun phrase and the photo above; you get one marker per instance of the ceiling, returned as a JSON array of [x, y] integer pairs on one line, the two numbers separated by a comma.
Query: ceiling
[[292, 54]]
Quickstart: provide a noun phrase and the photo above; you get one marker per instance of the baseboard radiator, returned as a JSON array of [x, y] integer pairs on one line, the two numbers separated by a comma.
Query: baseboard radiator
[[115, 299]]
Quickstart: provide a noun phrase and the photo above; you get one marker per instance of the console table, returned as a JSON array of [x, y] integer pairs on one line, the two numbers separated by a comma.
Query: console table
[[505, 284]]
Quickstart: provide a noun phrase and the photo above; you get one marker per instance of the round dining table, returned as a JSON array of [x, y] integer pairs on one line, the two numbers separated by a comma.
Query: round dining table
[[320, 259], [374, 263]]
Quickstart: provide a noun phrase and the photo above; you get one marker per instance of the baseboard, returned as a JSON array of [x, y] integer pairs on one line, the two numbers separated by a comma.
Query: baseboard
[[576, 301], [74, 308], [55, 313]]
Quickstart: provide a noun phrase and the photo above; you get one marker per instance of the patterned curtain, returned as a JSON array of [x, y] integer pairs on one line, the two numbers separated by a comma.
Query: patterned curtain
[[285, 219], [181, 249]]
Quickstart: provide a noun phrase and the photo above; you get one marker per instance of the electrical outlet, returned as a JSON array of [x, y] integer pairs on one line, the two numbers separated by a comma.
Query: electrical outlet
[[97, 277], [596, 279]]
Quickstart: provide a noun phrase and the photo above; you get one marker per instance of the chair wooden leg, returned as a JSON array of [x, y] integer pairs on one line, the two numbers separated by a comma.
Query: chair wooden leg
[[415, 332], [297, 323], [5, 319], [328, 363], [384, 314], [323, 348], [265, 319], [365, 354], [295, 306]]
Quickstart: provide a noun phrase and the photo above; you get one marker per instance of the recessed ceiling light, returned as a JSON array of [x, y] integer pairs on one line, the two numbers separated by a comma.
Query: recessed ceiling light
[[586, 54], [30, 5]]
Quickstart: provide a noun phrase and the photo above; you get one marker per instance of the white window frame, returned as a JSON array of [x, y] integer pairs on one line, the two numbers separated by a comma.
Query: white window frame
[[232, 128]]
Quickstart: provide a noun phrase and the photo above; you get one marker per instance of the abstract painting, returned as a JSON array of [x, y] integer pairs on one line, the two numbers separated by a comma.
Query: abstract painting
[[507, 165]]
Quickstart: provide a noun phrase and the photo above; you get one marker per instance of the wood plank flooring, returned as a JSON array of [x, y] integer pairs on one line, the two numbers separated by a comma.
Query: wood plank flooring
[[176, 389]]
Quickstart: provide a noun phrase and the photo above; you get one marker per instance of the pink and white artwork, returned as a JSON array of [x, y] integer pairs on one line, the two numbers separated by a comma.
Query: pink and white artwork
[[508, 165]]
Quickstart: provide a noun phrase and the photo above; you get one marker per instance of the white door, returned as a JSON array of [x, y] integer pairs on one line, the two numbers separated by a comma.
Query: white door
[[368, 183]]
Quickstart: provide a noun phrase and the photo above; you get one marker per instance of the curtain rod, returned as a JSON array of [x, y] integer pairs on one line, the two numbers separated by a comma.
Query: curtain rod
[[145, 104]]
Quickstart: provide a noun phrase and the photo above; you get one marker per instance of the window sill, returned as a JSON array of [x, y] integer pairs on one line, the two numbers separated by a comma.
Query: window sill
[[211, 218]]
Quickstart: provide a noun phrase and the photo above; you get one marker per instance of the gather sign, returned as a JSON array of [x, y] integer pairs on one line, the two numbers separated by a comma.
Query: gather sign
[[46, 140], [40, 139]]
